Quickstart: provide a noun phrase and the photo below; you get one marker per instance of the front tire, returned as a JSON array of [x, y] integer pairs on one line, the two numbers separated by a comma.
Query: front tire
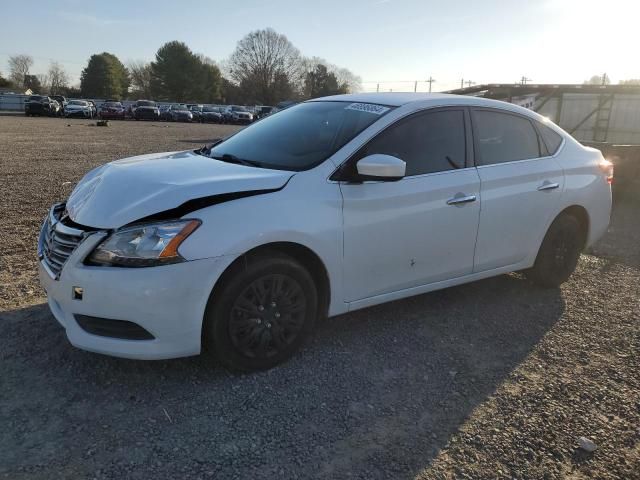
[[262, 315], [559, 253]]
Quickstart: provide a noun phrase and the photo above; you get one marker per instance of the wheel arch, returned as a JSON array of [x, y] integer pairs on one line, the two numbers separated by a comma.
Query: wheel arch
[[582, 215], [301, 253]]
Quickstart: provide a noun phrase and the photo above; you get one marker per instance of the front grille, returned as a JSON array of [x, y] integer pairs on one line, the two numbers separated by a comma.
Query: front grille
[[58, 241]]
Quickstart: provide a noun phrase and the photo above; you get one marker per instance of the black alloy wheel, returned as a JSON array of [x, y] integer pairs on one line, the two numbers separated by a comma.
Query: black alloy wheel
[[261, 314]]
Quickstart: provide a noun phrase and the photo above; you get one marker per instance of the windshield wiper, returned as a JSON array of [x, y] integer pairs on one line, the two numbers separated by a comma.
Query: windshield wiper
[[206, 149], [229, 158]]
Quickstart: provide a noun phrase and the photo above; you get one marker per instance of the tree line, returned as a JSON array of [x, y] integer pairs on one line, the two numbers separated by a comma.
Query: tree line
[[265, 68]]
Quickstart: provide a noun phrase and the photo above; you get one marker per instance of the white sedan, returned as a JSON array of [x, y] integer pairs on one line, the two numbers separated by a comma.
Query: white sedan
[[78, 108], [329, 206]]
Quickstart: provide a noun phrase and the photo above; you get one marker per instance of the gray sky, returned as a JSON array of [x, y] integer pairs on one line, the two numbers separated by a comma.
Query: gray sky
[[390, 41]]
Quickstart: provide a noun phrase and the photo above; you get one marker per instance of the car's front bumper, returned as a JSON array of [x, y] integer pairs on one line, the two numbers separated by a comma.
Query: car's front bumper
[[167, 301]]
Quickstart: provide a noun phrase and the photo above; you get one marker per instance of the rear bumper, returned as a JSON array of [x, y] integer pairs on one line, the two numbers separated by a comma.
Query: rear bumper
[[167, 301]]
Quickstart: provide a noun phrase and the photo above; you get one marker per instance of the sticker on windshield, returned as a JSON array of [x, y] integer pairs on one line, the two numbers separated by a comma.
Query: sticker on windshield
[[368, 107]]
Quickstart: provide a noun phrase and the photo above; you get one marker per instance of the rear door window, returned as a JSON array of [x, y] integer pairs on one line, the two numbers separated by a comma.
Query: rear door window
[[503, 137]]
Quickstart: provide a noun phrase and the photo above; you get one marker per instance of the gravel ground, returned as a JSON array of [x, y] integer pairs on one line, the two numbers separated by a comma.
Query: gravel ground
[[496, 379]]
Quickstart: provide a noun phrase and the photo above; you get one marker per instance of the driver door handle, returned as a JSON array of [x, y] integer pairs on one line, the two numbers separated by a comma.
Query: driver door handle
[[460, 199]]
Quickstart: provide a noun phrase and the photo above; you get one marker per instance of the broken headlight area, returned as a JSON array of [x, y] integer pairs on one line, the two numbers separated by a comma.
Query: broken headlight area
[[144, 245]]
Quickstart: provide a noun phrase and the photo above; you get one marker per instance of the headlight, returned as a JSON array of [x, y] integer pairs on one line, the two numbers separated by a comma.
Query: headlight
[[144, 245]]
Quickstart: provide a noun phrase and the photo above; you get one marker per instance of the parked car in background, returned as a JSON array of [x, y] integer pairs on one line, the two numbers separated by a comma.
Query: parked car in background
[[285, 104], [62, 101], [452, 189], [264, 110], [211, 115], [178, 113], [146, 110], [94, 108], [56, 108], [196, 111], [40, 105], [78, 108], [164, 112], [112, 111], [238, 115]]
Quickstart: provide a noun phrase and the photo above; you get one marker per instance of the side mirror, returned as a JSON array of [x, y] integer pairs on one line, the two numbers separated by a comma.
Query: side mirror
[[381, 167]]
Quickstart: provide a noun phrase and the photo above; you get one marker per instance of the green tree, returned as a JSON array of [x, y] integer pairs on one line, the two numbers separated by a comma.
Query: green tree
[[179, 74], [72, 92], [5, 83], [104, 77], [211, 84], [319, 82]]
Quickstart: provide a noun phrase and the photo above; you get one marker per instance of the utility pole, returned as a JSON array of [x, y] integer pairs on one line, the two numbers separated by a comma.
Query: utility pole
[[604, 78], [377, 88], [462, 82], [430, 81], [469, 83], [524, 80], [415, 86]]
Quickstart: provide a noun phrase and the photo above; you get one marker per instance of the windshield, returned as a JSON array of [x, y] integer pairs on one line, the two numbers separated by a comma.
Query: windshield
[[146, 103], [113, 104], [302, 136], [179, 107], [209, 109], [35, 98], [78, 102], [238, 109]]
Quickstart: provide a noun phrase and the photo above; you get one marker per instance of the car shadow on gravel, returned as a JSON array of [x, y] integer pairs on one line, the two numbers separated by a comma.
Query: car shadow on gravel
[[376, 394]]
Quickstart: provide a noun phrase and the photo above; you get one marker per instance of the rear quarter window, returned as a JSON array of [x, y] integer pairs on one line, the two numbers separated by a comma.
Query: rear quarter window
[[551, 139]]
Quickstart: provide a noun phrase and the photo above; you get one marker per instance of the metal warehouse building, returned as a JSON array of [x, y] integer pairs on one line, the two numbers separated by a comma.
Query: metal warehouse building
[[591, 113]]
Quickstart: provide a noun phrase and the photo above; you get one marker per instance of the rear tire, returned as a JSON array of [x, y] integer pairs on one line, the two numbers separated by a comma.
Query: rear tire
[[559, 253], [262, 315]]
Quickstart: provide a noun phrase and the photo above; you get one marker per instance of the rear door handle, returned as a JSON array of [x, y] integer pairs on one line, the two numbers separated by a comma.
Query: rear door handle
[[461, 198], [548, 186]]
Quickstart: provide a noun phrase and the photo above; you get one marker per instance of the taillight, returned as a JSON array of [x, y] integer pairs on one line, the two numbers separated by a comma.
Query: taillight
[[607, 168]]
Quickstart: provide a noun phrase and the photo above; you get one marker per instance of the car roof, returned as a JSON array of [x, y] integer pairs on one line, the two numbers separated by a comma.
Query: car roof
[[427, 100], [385, 98]]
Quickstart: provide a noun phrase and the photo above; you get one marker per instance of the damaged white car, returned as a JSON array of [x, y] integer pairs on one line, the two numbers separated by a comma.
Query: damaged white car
[[332, 205]]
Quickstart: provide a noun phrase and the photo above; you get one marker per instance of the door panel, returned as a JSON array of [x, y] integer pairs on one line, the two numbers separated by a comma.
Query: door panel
[[520, 187], [518, 199], [403, 234]]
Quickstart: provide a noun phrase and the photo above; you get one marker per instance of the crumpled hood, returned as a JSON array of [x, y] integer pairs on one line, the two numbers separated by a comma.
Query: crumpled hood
[[127, 190]]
